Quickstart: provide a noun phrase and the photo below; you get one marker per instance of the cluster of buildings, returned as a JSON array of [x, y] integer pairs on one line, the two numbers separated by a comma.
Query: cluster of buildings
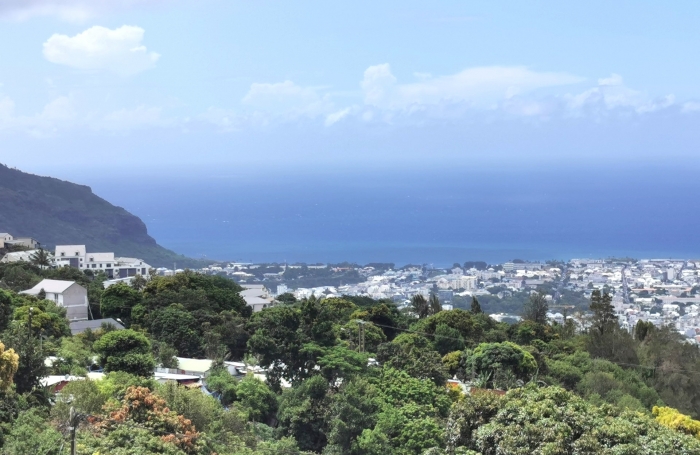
[[660, 291]]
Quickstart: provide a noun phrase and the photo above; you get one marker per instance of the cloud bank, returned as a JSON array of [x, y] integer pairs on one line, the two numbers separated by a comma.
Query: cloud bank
[[68, 10], [99, 48], [480, 86]]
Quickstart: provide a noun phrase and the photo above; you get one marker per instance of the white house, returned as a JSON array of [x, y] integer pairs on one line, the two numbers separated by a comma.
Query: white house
[[4, 237], [114, 267], [256, 296], [67, 294], [19, 256]]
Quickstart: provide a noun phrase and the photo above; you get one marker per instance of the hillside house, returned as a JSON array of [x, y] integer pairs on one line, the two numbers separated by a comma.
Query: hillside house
[[18, 256], [67, 294], [256, 296], [76, 256], [4, 237]]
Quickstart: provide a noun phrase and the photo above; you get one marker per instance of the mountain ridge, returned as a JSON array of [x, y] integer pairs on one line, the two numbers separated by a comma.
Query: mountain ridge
[[56, 212]]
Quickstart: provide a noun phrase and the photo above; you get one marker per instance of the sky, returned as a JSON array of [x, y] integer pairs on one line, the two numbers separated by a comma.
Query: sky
[[227, 88]]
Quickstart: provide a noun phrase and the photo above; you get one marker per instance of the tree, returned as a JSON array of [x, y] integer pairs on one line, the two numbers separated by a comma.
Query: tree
[[31, 367], [604, 319], [551, 420], [353, 409], [41, 258], [6, 308], [447, 339], [420, 306], [339, 364], [138, 282], [302, 413], [476, 308], [9, 362], [642, 329], [499, 364], [31, 433], [673, 419], [434, 302], [177, 327], [535, 309], [118, 300], [256, 399], [125, 350], [287, 297], [143, 420]]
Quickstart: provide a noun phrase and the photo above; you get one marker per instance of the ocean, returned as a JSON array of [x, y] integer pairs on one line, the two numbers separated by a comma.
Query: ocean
[[429, 216]]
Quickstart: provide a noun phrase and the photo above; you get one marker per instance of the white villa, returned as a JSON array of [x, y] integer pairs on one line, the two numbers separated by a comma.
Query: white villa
[[67, 294], [114, 267]]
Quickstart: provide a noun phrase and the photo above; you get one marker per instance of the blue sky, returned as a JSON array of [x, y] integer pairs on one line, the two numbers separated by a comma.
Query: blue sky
[[221, 85]]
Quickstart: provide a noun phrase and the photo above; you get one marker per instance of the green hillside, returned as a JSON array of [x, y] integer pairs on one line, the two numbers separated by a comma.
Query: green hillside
[[57, 212]]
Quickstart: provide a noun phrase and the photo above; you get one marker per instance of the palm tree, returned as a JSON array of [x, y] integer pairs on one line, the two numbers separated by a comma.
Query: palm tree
[[41, 257], [435, 306], [420, 306]]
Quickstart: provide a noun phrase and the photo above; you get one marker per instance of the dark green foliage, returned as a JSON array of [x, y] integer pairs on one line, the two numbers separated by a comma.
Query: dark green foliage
[[31, 357], [447, 339], [222, 384], [302, 413], [178, 328], [295, 336], [19, 276], [287, 297], [500, 365], [118, 300], [256, 399], [476, 307], [535, 309], [413, 354], [525, 332], [353, 409], [127, 351]]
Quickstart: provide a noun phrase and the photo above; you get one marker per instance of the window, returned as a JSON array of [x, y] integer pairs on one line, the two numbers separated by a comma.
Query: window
[[92, 259], [63, 253], [77, 254], [109, 265], [94, 266], [100, 265]]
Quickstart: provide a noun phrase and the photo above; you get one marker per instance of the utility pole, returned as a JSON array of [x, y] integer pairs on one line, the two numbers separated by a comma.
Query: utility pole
[[31, 309], [73, 424], [361, 335]]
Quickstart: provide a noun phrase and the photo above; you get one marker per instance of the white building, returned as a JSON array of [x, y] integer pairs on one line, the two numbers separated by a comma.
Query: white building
[[4, 237], [256, 296], [18, 256], [114, 267], [67, 294]]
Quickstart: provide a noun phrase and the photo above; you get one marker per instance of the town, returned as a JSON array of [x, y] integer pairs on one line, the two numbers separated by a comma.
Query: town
[[660, 291]]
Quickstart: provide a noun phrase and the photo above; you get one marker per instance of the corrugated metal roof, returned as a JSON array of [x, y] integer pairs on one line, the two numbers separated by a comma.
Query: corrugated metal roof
[[53, 286]]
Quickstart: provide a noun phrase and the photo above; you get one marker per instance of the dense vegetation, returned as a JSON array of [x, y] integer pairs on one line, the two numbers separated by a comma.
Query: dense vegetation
[[56, 212], [531, 387]]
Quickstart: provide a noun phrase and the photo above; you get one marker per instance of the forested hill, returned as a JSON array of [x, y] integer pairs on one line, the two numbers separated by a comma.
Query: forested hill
[[57, 212]]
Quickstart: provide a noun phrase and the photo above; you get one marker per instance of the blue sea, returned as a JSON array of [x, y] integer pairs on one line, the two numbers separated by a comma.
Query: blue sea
[[433, 216]]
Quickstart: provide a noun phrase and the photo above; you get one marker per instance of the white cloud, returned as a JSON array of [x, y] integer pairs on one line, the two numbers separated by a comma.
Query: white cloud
[[7, 109], [99, 48], [131, 119], [69, 10], [287, 99], [480, 86], [612, 94], [688, 106], [335, 117]]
